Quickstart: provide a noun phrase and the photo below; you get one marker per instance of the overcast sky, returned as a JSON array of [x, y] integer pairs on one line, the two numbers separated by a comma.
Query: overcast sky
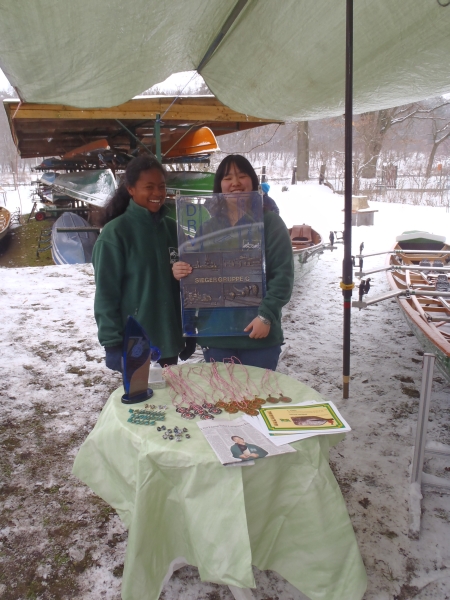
[[4, 83]]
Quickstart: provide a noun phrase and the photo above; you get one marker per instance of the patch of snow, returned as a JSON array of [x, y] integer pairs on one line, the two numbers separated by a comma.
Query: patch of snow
[[54, 384]]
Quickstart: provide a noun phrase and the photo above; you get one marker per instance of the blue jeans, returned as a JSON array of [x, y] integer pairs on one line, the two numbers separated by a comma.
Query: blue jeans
[[265, 358]]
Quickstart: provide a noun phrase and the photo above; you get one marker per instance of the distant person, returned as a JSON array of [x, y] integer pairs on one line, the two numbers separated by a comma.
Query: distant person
[[262, 346], [268, 202], [245, 451], [132, 261]]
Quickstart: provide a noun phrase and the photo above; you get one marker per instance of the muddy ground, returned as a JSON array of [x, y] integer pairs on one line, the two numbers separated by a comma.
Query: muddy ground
[[59, 541]]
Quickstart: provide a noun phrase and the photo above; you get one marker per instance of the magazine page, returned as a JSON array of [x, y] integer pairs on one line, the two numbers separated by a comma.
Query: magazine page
[[238, 442]]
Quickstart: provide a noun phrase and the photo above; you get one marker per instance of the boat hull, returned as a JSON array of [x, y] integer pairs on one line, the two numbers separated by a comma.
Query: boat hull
[[5, 221], [72, 247], [442, 358], [307, 251], [93, 187], [304, 265], [428, 317], [200, 141], [190, 183]]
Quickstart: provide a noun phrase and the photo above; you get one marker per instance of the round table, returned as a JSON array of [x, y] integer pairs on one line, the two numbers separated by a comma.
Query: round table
[[285, 513]]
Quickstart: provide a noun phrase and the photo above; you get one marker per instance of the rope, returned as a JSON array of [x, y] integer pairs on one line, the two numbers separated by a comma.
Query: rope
[[179, 94]]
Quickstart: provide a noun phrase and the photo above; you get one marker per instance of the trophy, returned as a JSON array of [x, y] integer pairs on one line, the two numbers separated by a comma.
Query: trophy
[[137, 354]]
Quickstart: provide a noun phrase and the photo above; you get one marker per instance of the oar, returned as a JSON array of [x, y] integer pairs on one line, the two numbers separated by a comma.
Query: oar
[[428, 268], [407, 293], [404, 252]]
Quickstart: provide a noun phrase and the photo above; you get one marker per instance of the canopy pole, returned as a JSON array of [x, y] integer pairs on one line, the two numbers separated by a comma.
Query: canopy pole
[[347, 267], [157, 134]]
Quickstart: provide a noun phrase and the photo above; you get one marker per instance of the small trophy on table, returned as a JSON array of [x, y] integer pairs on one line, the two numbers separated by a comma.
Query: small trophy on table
[[137, 354]]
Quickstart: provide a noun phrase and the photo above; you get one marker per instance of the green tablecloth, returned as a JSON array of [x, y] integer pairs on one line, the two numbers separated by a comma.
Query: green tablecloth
[[286, 513]]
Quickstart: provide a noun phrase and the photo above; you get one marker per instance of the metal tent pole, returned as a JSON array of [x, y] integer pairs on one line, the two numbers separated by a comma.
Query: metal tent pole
[[347, 268], [157, 134]]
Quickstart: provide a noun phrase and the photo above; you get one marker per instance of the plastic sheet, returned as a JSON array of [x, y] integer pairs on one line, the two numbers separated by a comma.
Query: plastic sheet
[[282, 60]]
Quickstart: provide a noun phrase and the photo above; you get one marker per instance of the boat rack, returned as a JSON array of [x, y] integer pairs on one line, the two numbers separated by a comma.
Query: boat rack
[[418, 477], [44, 238], [79, 229]]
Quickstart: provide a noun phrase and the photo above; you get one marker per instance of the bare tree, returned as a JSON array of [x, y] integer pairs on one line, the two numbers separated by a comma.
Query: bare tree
[[438, 114], [373, 126]]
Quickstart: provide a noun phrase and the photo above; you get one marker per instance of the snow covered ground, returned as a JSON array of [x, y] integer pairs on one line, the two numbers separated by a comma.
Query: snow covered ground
[[57, 540]]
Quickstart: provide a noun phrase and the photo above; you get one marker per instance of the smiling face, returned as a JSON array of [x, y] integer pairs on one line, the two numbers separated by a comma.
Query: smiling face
[[236, 181], [149, 191]]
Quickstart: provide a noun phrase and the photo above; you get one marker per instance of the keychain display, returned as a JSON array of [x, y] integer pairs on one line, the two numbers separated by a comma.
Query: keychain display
[[176, 434], [143, 416]]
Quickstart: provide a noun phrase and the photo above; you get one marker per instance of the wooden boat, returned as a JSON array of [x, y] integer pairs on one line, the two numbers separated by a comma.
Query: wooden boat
[[428, 316], [72, 247], [5, 221], [307, 246]]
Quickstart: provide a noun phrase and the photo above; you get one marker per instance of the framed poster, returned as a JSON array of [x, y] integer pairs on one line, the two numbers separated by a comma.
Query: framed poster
[[222, 238]]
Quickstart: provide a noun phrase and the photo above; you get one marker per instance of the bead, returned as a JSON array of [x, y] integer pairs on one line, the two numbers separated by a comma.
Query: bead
[[163, 428], [184, 429], [158, 429], [170, 437], [169, 431], [187, 435], [179, 439]]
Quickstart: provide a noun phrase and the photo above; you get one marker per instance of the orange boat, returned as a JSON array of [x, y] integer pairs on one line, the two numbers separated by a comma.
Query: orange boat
[[200, 141], [95, 146]]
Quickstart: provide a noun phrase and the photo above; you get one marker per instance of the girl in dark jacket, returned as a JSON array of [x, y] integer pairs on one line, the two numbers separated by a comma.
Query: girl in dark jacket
[[132, 261]]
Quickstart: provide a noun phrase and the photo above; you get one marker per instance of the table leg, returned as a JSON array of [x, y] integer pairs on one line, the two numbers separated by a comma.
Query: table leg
[[241, 593]]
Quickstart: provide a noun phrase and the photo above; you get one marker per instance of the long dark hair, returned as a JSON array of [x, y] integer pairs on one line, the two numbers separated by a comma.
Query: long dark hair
[[119, 202], [242, 164]]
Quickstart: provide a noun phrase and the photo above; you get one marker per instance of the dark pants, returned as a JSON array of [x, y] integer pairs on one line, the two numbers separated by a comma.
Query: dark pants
[[265, 358], [172, 360]]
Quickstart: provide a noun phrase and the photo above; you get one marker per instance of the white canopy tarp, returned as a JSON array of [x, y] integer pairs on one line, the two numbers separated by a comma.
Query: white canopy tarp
[[281, 59]]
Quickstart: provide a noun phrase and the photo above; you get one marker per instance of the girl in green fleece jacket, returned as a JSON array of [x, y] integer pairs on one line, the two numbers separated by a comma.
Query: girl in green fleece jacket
[[132, 260], [260, 343]]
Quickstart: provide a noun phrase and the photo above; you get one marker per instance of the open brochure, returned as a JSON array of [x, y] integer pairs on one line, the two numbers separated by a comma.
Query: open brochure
[[237, 442], [290, 423]]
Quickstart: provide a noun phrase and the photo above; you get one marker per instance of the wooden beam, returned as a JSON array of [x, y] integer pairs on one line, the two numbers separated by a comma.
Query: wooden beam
[[188, 108]]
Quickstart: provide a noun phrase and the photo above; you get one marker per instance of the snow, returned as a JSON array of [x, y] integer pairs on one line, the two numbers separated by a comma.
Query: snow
[[54, 384], [20, 198]]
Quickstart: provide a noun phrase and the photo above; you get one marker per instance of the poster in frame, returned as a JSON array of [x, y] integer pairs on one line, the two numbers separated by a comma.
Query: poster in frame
[[222, 238]]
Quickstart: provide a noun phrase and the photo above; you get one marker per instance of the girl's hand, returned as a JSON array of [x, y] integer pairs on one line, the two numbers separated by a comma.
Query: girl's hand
[[258, 329], [181, 269]]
